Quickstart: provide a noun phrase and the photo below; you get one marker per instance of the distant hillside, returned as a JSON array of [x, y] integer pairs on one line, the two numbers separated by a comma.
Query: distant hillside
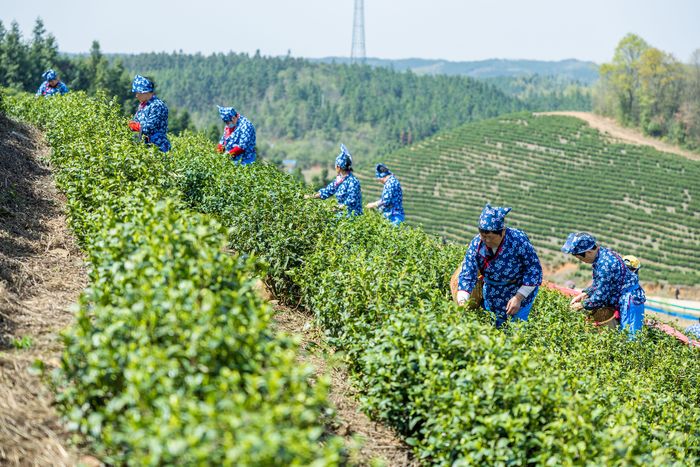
[[559, 175], [577, 70], [302, 110]]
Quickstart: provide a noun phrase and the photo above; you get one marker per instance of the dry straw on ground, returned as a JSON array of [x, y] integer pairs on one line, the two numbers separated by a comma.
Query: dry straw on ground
[[41, 275]]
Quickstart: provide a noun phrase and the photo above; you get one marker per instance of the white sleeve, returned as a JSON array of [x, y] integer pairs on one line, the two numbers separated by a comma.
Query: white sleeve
[[526, 290]]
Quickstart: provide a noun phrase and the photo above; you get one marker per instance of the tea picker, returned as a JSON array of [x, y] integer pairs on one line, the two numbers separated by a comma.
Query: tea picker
[[238, 140], [614, 284], [391, 201], [151, 118], [345, 187], [505, 262], [51, 85]]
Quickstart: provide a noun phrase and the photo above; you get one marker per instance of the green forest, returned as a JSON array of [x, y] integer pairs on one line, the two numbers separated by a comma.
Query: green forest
[[293, 102], [652, 90], [301, 109], [544, 92], [22, 62]]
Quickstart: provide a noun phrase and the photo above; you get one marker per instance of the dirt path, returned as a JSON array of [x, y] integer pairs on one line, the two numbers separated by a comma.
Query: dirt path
[[628, 135], [377, 442], [41, 275]]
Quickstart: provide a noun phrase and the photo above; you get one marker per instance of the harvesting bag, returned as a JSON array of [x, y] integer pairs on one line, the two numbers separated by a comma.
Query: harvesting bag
[[476, 299]]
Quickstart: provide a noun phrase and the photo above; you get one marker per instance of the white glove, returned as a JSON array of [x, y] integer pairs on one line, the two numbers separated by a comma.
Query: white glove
[[462, 297]]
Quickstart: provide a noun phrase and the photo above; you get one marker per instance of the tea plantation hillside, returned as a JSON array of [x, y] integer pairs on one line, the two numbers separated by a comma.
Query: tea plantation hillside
[[559, 175], [172, 359]]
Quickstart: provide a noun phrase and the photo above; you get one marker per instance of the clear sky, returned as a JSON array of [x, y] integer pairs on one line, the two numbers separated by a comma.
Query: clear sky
[[457, 30]]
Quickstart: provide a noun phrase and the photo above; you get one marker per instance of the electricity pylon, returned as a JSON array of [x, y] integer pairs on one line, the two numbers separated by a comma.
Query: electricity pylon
[[357, 55]]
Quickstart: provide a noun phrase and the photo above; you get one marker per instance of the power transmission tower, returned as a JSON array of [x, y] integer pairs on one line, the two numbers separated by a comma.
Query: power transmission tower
[[358, 33]]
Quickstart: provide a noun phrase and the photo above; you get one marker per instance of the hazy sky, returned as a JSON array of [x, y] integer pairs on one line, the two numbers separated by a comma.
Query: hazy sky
[[450, 29]]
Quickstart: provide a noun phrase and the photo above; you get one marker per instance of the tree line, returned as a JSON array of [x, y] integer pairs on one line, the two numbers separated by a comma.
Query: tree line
[[300, 109], [546, 92], [293, 98], [22, 62], [650, 89]]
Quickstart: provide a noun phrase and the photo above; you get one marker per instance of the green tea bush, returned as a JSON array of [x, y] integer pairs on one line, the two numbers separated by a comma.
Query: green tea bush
[[263, 208], [551, 391], [172, 359], [173, 354]]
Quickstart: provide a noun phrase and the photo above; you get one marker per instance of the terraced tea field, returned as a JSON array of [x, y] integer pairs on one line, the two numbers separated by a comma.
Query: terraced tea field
[[559, 175]]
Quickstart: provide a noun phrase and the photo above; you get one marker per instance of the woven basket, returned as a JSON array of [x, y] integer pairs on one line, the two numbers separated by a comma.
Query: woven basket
[[604, 317]]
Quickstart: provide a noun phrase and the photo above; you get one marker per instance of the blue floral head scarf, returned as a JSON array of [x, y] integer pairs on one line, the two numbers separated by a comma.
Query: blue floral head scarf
[[344, 159], [578, 243], [49, 75], [493, 218], [227, 113], [381, 171], [142, 84]]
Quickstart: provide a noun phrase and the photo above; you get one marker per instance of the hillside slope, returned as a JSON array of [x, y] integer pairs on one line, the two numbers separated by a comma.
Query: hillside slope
[[559, 175], [301, 110], [625, 134], [586, 72]]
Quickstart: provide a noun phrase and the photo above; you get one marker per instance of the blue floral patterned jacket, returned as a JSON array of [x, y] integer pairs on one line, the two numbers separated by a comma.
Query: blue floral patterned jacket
[[243, 136], [391, 202], [612, 280], [512, 265], [46, 90], [153, 117], [347, 191]]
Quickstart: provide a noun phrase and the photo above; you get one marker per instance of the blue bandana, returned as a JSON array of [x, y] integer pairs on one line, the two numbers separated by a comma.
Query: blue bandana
[[141, 84], [344, 159], [578, 242], [493, 218], [49, 75], [381, 171], [227, 113]]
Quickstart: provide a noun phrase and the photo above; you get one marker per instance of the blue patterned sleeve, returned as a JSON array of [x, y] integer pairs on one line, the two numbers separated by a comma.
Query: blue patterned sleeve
[[532, 265], [156, 115], [388, 193], [247, 141], [470, 271], [329, 190], [62, 88], [243, 136], [41, 89], [354, 195], [602, 290]]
